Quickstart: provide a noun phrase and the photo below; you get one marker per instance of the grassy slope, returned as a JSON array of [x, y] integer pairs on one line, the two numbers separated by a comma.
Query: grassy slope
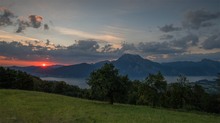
[[26, 106]]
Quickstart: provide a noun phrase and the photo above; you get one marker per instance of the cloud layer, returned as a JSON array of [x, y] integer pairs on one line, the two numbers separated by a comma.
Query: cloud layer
[[93, 51], [82, 51], [191, 40]]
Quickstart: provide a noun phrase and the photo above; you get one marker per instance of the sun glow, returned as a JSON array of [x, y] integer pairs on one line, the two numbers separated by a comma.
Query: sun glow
[[44, 65]]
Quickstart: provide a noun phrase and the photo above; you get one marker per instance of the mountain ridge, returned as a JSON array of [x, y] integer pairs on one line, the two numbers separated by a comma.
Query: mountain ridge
[[132, 65]]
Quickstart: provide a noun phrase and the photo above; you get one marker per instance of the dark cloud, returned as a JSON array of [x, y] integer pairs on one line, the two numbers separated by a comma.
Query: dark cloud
[[82, 51], [169, 47], [85, 45], [128, 47], [107, 48], [166, 37], [6, 17], [207, 24], [19, 51], [169, 28], [159, 48], [199, 18], [92, 51], [212, 42], [46, 27], [22, 24], [186, 41], [35, 20], [48, 42]]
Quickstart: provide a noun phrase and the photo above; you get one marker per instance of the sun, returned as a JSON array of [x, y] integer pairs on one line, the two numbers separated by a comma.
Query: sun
[[44, 65]]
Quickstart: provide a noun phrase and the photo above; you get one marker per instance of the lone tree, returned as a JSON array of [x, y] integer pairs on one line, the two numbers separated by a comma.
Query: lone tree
[[107, 83]]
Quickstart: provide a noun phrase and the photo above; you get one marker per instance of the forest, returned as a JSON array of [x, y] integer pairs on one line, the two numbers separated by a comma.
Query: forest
[[106, 84]]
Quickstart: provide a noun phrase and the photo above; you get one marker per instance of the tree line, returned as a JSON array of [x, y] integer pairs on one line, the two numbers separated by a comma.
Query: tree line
[[13, 79], [106, 84]]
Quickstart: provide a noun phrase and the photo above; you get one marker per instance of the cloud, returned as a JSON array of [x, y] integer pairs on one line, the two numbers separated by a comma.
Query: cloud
[[85, 51], [159, 48], [127, 46], [169, 28], [17, 50], [7, 36], [107, 48], [35, 20], [46, 27], [6, 17], [199, 18], [186, 41], [104, 37], [169, 47], [91, 51], [166, 37], [81, 51], [212, 42], [85, 45], [207, 24], [22, 24]]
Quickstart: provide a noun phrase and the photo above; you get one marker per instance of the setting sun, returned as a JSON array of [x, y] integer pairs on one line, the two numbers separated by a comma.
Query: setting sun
[[43, 65]]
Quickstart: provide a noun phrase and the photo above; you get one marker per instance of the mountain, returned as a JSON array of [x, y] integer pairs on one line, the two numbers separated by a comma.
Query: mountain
[[134, 66], [204, 67], [37, 70], [74, 71]]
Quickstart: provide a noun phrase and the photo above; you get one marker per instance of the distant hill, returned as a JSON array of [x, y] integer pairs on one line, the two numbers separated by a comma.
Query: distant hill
[[132, 65]]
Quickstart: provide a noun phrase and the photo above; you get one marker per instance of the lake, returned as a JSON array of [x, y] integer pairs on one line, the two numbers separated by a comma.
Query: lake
[[82, 82], [72, 81]]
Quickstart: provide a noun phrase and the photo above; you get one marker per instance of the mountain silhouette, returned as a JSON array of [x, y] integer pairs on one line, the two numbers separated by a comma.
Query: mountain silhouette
[[134, 66]]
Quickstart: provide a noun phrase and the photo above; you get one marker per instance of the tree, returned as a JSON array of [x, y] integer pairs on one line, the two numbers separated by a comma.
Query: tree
[[153, 90], [157, 82], [180, 93], [218, 79], [133, 92], [182, 80], [199, 97], [107, 83]]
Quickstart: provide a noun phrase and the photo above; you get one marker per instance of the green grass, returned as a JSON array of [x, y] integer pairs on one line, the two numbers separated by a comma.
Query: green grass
[[35, 107]]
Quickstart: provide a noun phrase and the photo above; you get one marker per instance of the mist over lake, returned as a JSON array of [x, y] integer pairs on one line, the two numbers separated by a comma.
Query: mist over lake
[[82, 82], [72, 81], [171, 79]]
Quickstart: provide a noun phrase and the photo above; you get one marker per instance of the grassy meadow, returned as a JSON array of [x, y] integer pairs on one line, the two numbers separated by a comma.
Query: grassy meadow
[[18, 106]]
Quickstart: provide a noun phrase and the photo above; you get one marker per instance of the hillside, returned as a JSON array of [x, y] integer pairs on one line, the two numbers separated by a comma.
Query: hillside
[[27, 106]]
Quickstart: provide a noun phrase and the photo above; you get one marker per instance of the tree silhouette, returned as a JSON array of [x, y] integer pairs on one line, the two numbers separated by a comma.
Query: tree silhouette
[[107, 83], [218, 79]]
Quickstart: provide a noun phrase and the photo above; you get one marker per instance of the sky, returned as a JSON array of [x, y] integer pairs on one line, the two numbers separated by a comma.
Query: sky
[[34, 32]]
